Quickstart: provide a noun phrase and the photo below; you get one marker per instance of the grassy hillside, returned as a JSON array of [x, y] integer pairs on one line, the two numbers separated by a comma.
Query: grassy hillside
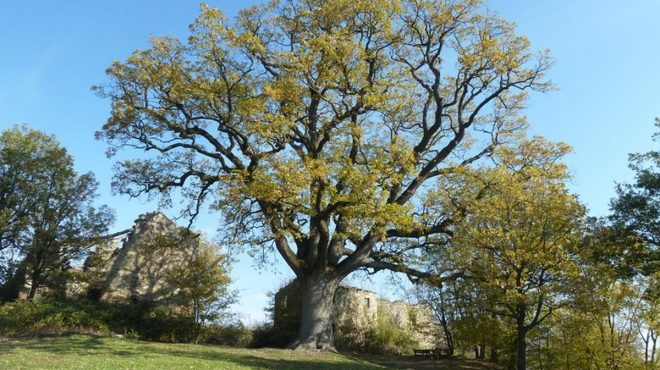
[[86, 352]]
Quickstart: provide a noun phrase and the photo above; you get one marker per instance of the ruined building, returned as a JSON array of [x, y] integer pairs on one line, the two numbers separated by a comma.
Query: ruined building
[[356, 312], [136, 270], [133, 266]]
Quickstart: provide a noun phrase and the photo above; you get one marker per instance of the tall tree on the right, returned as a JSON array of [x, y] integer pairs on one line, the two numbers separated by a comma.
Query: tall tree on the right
[[518, 237], [636, 211], [637, 206]]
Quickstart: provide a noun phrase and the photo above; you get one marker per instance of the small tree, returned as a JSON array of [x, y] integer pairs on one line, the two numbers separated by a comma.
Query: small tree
[[466, 323], [615, 318], [518, 237], [648, 323], [201, 285]]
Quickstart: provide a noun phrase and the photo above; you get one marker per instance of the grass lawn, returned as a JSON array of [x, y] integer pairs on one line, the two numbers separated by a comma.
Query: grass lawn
[[88, 352]]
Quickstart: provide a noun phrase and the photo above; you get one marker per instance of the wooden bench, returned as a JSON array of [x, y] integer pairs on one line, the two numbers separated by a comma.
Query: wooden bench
[[434, 354], [425, 353]]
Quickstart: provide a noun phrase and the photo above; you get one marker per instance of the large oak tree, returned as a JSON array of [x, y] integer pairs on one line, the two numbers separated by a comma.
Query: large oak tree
[[317, 127]]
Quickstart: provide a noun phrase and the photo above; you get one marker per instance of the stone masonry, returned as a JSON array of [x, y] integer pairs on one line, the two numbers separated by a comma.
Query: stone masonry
[[133, 266], [137, 270], [356, 310]]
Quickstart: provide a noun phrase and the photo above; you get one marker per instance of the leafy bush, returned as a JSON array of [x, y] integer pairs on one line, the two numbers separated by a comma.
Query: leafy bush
[[386, 338], [26, 318], [139, 321], [383, 337], [348, 338], [269, 335], [234, 335]]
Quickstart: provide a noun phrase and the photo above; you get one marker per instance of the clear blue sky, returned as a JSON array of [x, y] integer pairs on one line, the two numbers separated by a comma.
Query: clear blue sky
[[607, 58]]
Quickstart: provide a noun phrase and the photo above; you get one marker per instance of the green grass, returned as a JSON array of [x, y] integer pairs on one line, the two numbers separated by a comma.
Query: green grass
[[88, 352]]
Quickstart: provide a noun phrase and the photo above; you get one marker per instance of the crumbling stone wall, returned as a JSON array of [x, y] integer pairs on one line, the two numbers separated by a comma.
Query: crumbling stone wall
[[415, 319], [138, 270], [76, 282], [133, 267], [355, 312], [355, 308]]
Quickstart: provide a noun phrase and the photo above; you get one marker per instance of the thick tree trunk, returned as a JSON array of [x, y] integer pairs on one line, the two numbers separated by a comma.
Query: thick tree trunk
[[317, 293], [521, 334]]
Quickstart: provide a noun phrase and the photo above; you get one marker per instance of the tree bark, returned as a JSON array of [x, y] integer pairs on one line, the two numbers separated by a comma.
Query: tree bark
[[654, 340], [317, 293], [521, 333], [34, 285], [521, 349], [646, 347], [445, 327]]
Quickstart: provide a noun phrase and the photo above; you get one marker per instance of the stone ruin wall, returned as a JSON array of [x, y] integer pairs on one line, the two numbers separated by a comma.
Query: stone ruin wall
[[137, 271], [417, 319], [131, 267], [356, 310]]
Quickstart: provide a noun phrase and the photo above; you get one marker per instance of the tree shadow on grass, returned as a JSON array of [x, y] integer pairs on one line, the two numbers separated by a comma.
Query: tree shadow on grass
[[257, 359], [56, 344], [412, 362], [253, 361]]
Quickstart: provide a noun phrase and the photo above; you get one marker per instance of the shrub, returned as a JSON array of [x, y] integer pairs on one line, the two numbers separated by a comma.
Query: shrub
[[269, 335], [35, 318], [139, 321], [234, 335], [26, 318], [385, 337], [348, 338]]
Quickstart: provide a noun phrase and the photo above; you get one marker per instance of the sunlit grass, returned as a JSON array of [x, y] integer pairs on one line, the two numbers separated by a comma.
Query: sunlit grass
[[87, 352]]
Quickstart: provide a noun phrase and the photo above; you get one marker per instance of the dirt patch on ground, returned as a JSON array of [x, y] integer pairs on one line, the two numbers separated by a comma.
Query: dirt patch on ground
[[410, 362]]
